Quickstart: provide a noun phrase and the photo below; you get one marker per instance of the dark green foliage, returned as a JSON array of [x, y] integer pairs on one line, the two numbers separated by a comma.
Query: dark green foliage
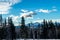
[[12, 28], [52, 28], [45, 29], [23, 29]]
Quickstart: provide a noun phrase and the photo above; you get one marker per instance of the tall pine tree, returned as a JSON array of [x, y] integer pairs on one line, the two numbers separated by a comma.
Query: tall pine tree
[[45, 29], [12, 28], [23, 29]]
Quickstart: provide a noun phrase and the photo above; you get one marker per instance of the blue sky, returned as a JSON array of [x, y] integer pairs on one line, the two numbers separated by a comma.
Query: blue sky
[[32, 10]]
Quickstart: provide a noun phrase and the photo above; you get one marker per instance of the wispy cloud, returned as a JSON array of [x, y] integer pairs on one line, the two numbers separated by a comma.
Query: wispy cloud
[[27, 14], [56, 20], [43, 10], [12, 2], [41, 20], [6, 5], [15, 19], [23, 10], [4, 8], [46, 10]]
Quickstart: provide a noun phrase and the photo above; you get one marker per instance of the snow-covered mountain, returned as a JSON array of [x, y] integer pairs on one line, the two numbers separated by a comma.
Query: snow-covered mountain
[[33, 24]]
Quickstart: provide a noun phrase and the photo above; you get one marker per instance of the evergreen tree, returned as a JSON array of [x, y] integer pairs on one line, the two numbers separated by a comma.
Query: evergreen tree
[[4, 29], [38, 31], [1, 34], [23, 29], [52, 29], [29, 31], [45, 29], [12, 28]]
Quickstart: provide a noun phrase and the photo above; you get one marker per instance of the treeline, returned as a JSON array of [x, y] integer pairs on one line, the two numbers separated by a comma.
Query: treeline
[[7, 29], [46, 30]]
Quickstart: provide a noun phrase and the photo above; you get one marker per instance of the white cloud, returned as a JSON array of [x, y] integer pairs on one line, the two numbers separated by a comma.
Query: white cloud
[[46, 10], [15, 1], [15, 19], [41, 20], [27, 14], [24, 10], [56, 20], [23, 14], [16, 22], [5, 6]]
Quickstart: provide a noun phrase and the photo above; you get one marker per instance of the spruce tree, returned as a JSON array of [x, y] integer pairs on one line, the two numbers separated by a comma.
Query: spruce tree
[[12, 28], [23, 29], [52, 29], [45, 29]]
